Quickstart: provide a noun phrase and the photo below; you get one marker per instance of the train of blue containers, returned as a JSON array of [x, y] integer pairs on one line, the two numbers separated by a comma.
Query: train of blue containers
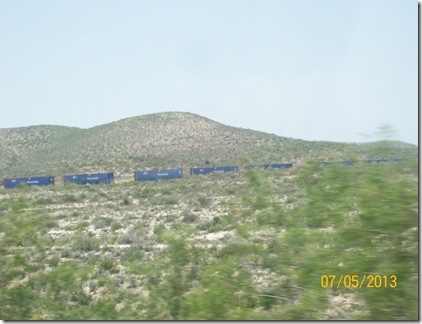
[[89, 178], [208, 170], [155, 175], [29, 181]]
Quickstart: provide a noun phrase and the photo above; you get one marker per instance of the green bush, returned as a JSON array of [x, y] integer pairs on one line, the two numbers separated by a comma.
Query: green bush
[[108, 265], [224, 288], [85, 243], [70, 198], [358, 220], [16, 303], [116, 225]]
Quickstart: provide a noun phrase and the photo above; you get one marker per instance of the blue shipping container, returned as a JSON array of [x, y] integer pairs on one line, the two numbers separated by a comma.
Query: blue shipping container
[[349, 162], [375, 161], [155, 175], [276, 166], [94, 178], [382, 160], [29, 181], [209, 170], [281, 165]]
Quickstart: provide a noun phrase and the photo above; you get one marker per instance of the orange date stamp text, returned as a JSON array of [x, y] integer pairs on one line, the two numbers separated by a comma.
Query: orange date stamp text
[[367, 281]]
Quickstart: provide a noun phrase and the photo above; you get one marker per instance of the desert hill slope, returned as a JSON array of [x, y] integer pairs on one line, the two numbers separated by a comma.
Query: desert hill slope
[[162, 140]]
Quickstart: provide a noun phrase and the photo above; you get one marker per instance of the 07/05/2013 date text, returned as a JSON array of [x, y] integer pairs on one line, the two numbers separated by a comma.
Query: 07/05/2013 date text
[[368, 281]]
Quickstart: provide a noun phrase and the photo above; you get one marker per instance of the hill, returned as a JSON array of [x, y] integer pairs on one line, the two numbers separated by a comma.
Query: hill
[[162, 140]]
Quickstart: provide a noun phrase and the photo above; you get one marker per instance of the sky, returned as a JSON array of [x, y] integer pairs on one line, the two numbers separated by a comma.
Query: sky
[[331, 70]]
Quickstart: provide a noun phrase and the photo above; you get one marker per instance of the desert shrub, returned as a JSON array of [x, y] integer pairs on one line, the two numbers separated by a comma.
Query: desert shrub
[[16, 303], [102, 194], [58, 294], [85, 243], [189, 218], [146, 192], [137, 236], [260, 202], [101, 222], [203, 201], [82, 225], [19, 204], [160, 231], [166, 191], [126, 201], [16, 267], [272, 216], [223, 288], [129, 237], [108, 265], [52, 262], [229, 191], [240, 250], [204, 224], [164, 201], [44, 201], [116, 225], [132, 255], [70, 198]]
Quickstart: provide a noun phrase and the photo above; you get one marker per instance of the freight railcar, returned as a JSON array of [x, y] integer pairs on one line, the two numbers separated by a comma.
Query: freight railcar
[[90, 178], [29, 181], [382, 160], [349, 162], [276, 166], [208, 170], [155, 175]]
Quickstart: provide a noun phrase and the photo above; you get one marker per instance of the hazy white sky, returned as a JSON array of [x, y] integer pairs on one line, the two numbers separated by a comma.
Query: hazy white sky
[[309, 69]]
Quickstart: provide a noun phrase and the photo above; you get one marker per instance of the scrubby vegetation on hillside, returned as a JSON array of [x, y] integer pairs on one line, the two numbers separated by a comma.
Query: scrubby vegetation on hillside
[[246, 245], [160, 141]]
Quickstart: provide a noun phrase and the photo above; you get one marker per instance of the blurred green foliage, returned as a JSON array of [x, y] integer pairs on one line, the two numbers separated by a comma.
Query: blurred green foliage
[[361, 220], [283, 231]]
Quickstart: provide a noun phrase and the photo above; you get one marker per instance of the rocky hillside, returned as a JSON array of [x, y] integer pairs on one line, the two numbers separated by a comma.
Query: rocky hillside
[[161, 140]]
